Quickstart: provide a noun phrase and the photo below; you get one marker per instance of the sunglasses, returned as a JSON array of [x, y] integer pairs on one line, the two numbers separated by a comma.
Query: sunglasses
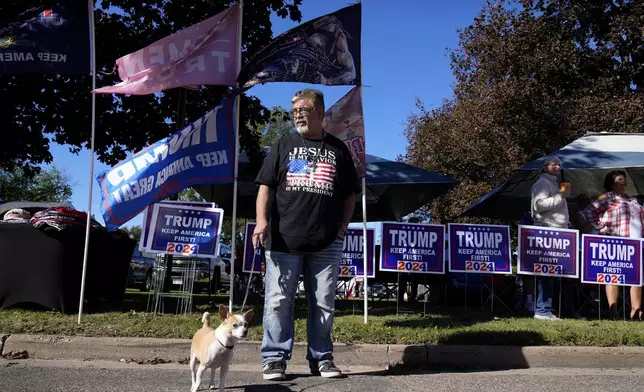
[[304, 111]]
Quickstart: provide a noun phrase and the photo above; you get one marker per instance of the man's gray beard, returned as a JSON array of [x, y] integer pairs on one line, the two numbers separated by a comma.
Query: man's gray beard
[[302, 130]]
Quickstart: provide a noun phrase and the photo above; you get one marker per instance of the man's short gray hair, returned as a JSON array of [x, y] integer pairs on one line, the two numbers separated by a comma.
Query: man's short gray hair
[[315, 95]]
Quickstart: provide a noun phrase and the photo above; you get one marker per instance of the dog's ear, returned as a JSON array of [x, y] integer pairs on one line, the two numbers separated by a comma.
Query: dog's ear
[[223, 312], [249, 315]]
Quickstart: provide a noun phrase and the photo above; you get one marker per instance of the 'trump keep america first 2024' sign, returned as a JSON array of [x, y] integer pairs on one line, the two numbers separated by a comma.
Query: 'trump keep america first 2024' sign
[[479, 248], [352, 263], [413, 247], [249, 252], [611, 260], [548, 251], [186, 231], [144, 243]]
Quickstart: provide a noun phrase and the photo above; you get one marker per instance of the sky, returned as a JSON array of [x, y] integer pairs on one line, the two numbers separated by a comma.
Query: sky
[[404, 57]]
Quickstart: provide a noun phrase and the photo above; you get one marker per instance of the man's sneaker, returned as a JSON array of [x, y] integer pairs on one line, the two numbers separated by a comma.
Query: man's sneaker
[[326, 370], [274, 371], [551, 317]]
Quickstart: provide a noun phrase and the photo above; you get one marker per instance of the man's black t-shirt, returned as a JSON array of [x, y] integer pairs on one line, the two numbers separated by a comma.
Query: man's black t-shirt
[[308, 206]]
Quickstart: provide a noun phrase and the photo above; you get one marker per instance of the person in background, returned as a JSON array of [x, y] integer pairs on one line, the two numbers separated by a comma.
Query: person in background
[[572, 287], [549, 209], [582, 220], [617, 214]]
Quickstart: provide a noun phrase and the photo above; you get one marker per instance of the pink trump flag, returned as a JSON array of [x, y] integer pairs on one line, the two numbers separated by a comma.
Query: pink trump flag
[[345, 121], [203, 54]]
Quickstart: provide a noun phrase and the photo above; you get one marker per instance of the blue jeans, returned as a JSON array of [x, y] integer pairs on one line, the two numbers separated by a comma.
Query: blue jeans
[[320, 270], [543, 307]]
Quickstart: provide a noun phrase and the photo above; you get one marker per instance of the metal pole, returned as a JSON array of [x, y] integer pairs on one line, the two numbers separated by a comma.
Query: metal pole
[[398, 295], [624, 301], [534, 300], [236, 169], [466, 294], [364, 243], [492, 294], [481, 286], [181, 121], [425, 297], [560, 290], [92, 38], [600, 301]]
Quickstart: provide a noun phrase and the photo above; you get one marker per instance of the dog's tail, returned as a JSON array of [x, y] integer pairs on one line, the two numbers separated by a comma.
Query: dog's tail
[[205, 319]]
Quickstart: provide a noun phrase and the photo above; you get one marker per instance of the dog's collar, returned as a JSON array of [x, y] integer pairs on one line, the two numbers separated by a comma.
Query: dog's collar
[[224, 346]]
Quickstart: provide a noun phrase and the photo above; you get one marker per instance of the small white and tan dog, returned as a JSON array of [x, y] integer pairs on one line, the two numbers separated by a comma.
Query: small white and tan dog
[[213, 348]]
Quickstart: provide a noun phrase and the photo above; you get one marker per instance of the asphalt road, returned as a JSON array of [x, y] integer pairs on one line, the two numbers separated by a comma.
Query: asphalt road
[[72, 376]]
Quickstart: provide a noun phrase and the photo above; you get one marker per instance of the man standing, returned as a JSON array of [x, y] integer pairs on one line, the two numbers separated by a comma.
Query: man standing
[[307, 191], [549, 209]]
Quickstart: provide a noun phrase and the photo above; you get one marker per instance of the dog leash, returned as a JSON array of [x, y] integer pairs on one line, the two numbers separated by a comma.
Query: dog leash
[[258, 253]]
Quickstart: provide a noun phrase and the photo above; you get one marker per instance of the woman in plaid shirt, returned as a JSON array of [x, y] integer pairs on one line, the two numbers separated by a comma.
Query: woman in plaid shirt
[[617, 214]]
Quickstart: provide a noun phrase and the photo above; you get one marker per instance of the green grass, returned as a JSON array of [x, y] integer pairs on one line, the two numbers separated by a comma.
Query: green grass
[[402, 329], [383, 328]]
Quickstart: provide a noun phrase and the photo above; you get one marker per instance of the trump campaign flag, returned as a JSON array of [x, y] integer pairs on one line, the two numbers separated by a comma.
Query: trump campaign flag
[[43, 39], [203, 54], [325, 50], [201, 153], [344, 120]]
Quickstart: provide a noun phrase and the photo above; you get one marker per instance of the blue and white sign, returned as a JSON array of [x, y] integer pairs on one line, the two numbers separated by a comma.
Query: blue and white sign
[[147, 218], [611, 260], [479, 248], [201, 153], [250, 252], [413, 247], [352, 263], [548, 251], [185, 231]]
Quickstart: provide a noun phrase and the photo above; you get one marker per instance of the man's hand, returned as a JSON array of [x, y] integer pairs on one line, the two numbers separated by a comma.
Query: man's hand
[[342, 232], [259, 234], [262, 206], [566, 192]]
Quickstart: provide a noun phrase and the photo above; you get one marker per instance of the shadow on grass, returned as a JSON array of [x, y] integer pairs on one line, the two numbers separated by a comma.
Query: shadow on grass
[[431, 322]]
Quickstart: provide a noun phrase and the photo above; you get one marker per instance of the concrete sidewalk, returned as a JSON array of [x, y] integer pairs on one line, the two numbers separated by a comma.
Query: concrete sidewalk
[[376, 356]]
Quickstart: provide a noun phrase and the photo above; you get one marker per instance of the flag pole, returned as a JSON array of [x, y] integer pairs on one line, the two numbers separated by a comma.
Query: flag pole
[[92, 44], [364, 242], [236, 169], [364, 199]]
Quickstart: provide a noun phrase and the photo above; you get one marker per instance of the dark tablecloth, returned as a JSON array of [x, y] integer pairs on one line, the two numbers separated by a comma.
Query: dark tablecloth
[[45, 266]]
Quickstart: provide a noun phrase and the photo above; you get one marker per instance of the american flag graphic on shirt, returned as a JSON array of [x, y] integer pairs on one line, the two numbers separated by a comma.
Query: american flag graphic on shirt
[[298, 171]]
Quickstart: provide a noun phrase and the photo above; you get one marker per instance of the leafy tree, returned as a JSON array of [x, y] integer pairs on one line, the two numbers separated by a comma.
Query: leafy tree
[[189, 194], [279, 124], [227, 231], [51, 185], [57, 108], [133, 231], [530, 79]]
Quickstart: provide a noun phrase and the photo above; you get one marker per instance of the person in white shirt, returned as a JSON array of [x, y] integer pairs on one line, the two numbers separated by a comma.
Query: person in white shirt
[[549, 209]]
